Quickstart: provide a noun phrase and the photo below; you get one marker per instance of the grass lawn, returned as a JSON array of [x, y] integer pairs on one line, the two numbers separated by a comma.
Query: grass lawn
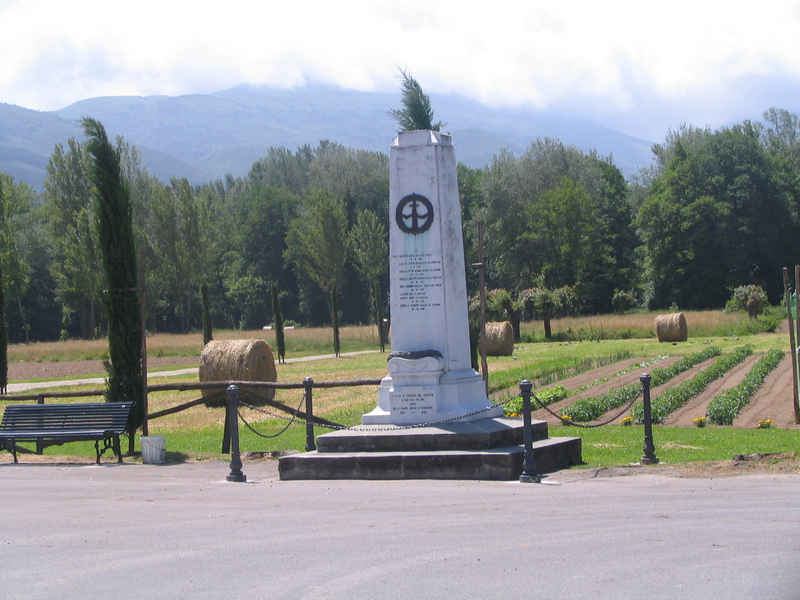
[[197, 432]]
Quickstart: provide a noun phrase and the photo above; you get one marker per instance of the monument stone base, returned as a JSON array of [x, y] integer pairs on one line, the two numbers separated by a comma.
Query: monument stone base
[[418, 389], [486, 449]]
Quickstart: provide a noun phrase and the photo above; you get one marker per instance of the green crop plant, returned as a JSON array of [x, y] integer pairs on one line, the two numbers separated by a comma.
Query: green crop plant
[[726, 405], [672, 399], [588, 409]]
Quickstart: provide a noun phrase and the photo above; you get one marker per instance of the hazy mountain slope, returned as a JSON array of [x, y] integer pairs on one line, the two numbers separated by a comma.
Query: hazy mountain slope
[[205, 136]]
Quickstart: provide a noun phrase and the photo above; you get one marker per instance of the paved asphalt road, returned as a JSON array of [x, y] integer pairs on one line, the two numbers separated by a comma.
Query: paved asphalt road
[[182, 531]]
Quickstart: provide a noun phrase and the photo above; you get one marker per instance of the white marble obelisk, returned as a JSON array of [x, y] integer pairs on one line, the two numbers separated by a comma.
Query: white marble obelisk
[[430, 376]]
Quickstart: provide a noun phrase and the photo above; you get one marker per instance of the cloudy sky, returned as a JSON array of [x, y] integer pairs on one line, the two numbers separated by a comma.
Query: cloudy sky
[[639, 66]]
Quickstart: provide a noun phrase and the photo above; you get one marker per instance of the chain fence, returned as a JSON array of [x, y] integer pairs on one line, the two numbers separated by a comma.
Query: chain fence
[[291, 420], [589, 425]]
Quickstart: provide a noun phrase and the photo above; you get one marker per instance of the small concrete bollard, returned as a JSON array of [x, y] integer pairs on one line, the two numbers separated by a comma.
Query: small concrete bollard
[[154, 449]]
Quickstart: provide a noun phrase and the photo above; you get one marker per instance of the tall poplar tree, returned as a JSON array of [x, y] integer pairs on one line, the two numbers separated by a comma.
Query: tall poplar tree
[[317, 245], [370, 249], [112, 209]]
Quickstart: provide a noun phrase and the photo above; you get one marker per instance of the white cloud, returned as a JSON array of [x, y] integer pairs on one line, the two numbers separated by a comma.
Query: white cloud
[[612, 58]]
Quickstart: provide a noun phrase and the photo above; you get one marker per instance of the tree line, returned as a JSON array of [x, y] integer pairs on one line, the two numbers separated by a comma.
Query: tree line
[[565, 232]]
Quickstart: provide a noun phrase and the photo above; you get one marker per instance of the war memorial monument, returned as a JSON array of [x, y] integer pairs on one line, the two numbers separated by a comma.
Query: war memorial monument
[[433, 418]]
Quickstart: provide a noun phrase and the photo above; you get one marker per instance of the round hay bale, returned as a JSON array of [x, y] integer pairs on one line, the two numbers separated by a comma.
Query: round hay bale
[[499, 339], [238, 360], [671, 328]]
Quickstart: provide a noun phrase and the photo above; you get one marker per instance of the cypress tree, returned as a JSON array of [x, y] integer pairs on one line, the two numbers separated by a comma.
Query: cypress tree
[[3, 322], [208, 334], [3, 337], [113, 213], [335, 314], [280, 340]]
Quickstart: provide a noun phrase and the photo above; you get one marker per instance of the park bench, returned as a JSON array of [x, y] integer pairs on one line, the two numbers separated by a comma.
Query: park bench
[[55, 424]]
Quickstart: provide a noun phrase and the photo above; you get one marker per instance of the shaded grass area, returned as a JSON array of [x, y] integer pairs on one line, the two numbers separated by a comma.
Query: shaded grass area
[[206, 441], [604, 446]]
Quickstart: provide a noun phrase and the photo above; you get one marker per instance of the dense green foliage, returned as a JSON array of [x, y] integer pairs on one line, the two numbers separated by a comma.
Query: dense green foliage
[[726, 405], [675, 397], [565, 233], [112, 211], [588, 409]]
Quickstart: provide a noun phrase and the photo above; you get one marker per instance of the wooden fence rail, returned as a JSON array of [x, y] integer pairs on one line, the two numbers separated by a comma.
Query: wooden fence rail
[[213, 385]]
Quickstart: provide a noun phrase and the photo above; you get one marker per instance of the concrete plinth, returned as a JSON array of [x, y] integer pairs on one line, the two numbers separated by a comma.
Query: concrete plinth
[[489, 449]]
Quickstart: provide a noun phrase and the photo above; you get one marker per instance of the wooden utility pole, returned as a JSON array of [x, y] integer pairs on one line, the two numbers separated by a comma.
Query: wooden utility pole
[[482, 339], [792, 345], [142, 299]]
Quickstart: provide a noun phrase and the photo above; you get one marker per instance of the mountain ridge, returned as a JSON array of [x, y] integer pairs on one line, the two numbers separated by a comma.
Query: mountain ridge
[[205, 136]]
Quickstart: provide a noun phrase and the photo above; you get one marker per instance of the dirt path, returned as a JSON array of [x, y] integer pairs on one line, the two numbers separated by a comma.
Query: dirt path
[[697, 406], [773, 400], [598, 390], [654, 392], [67, 368], [15, 388]]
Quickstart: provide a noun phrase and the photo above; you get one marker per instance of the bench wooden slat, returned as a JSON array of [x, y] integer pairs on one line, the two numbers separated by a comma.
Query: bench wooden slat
[[67, 422]]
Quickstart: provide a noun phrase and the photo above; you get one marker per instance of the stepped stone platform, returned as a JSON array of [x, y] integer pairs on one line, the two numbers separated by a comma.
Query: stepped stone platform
[[488, 449]]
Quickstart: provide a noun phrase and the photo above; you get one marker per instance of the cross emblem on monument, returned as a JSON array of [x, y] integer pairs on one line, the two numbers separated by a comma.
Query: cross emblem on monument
[[414, 214]]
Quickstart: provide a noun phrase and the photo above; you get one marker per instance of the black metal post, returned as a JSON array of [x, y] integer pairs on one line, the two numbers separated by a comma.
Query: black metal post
[[308, 384], [649, 457], [39, 445], [232, 416], [529, 474]]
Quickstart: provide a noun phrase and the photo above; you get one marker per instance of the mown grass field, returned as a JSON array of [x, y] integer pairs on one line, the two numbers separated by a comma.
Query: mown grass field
[[197, 432], [303, 341]]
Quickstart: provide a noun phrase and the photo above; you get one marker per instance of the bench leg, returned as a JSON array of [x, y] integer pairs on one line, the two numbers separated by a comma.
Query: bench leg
[[117, 449], [97, 450], [14, 450]]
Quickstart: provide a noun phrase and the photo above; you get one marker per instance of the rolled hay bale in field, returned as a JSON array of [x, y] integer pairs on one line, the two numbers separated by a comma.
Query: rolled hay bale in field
[[238, 360], [671, 328], [499, 339]]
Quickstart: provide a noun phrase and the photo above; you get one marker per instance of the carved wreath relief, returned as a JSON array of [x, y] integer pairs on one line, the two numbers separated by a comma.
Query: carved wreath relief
[[414, 214]]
